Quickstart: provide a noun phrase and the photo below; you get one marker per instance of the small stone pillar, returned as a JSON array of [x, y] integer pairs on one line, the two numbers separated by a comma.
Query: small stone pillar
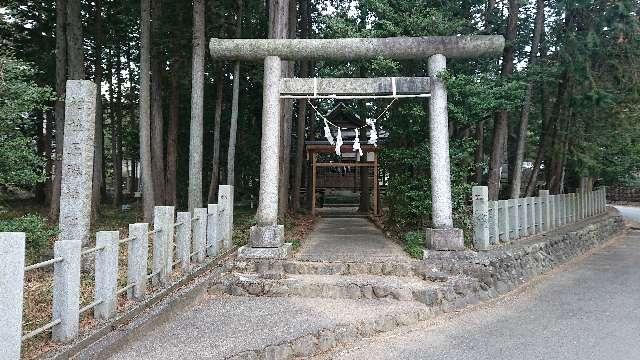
[[443, 236], [11, 297], [138, 254], [162, 258], [546, 209], [480, 217], [106, 274], [66, 290], [199, 234], [494, 229], [524, 218], [553, 211], [214, 241], [225, 211], [503, 217], [183, 240], [266, 239], [514, 219]]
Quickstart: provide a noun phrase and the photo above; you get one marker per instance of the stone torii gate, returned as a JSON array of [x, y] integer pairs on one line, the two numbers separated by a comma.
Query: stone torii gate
[[267, 237]]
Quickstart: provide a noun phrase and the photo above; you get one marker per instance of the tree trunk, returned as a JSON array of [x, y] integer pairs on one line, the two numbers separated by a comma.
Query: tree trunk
[[516, 180], [215, 162], [278, 13], [233, 126], [98, 151], [479, 133], [48, 169], [145, 112], [548, 135], [61, 77], [479, 154], [302, 111], [133, 184], [172, 137], [157, 118], [300, 156], [500, 127], [287, 10], [41, 143], [197, 98], [74, 40], [117, 139]]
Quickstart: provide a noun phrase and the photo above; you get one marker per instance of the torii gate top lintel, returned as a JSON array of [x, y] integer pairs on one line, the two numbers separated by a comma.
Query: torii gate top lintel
[[357, 48]]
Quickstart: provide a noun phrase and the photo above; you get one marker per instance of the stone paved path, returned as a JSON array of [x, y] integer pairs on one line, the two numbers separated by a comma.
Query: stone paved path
[[349, 239], [219, 327], [589, 310]]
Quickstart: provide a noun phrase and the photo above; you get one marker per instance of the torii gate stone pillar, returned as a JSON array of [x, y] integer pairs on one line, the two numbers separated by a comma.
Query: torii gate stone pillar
[[267, 237], [443, 236]]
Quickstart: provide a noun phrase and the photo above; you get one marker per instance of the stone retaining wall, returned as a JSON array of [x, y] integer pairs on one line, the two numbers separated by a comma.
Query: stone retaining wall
[[623, 194], [504, 268]]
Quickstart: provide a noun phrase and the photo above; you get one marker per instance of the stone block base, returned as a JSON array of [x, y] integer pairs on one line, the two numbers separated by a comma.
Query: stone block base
[[280, 252], [268, 236], [445, 239]]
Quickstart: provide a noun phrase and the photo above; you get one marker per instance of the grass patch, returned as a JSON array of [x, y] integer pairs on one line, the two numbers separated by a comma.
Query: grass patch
[[414, 243]]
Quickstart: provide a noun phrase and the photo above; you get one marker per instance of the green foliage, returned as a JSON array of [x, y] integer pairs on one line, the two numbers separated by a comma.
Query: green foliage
[[414, 243], [477, 97], [20, 165], [39, 233], [409, 191]]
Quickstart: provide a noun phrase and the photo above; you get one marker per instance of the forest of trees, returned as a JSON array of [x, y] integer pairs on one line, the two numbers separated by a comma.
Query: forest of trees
[[562, 99]]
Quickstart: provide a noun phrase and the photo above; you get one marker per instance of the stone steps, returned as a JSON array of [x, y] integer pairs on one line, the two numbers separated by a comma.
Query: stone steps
[[296, 267], [452, 292]]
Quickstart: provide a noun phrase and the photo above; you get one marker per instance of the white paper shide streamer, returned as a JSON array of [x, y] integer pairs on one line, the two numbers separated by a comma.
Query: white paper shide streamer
[[339, 142], [356, 143], [327, 133], [373, 136]]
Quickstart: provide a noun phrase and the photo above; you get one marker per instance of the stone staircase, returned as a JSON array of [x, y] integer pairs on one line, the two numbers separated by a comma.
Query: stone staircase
[[407, 292]]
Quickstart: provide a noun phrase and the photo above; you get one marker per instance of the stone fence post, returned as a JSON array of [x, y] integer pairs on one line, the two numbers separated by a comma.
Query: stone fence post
[[163, 219], [494, 231], [66, 290], [531, 211], [106, 273], [546, 209], [214, 241], [503, 216], [11, 293], [225, 210], [138, 253], [480, 195], [183, 240], [514, 223], [522, 213], [199, 234]]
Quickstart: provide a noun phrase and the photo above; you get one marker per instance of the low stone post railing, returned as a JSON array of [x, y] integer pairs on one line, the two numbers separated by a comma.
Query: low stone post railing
[[509, 220], [196, 237]]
